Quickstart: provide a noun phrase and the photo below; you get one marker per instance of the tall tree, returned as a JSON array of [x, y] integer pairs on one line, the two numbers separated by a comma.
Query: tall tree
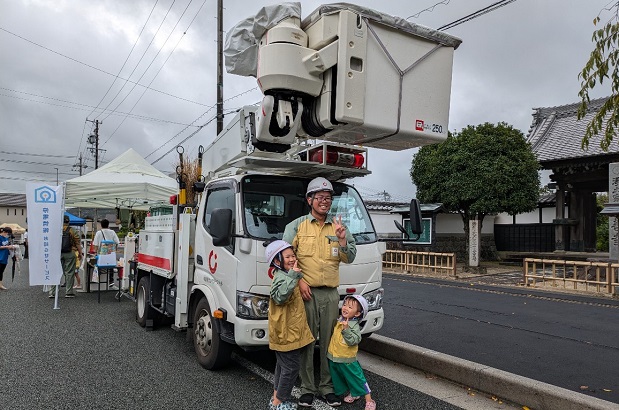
[[603, 64], [482, 170]]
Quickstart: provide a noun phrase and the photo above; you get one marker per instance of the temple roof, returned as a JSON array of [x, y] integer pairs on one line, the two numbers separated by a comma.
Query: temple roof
[[556, 133]]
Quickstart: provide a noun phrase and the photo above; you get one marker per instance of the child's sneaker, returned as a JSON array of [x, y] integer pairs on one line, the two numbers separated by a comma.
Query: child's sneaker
[[286, 405], [370, 405]]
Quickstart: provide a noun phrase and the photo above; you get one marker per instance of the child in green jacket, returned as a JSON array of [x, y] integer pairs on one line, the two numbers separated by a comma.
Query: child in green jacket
[[288, 328], [345, 370]]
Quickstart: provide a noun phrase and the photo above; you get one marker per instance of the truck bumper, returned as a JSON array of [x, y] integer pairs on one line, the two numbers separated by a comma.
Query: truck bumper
[[254, 333], [251, 332]]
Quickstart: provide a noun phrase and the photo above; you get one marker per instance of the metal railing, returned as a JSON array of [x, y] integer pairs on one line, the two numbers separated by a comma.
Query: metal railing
[[599, 277], [420, 262]]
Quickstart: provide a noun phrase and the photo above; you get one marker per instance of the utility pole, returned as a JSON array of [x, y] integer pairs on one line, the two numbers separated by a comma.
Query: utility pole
[[96, 144], [220, 74], [94, 140], [80, 165]]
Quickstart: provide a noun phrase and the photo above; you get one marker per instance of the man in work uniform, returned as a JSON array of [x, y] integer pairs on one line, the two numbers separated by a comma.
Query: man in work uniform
[[321, 242], [68, 260]]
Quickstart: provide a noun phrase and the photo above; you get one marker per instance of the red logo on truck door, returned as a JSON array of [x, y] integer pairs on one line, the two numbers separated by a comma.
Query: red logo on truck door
[[212, 262], [419, 125]]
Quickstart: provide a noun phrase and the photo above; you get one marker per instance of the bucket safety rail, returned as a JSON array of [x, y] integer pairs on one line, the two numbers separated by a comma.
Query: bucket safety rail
[[598, 277], [420, 262]]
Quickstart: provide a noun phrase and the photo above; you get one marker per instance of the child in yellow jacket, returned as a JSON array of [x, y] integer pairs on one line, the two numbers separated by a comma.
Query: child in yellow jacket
[[346, 371], [288, 328]]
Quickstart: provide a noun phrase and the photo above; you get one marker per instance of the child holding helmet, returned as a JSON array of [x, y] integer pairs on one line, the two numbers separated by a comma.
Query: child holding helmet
[[346, 371], [288, 328]]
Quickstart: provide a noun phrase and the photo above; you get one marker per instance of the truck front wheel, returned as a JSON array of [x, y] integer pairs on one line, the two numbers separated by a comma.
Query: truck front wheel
[[144, 311], [212, 352]]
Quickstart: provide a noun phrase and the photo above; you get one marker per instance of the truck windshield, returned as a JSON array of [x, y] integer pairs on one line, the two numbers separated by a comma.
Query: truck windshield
[[271, 202]]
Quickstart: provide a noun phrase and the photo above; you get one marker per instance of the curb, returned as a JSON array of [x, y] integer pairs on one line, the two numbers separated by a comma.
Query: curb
[[517, 389]]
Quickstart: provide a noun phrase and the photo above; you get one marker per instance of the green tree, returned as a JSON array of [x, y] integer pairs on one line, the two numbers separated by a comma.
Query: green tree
[[482, 170], [603, 64]]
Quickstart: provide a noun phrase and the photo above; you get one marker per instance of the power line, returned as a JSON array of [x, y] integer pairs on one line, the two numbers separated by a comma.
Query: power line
[[476, 14], [95, 68], [36, 155], [37, 172], [35, 163], [164, 63], [125, 114], [196, 120], [139, 61], [189, 136], [127, 59], [429, 9]]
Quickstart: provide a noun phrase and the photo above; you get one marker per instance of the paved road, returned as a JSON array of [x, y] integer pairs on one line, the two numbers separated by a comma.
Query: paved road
[[568, 341], [94, 356]]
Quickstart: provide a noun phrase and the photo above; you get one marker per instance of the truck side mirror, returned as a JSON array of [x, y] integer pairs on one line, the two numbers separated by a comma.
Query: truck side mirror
[[415, 220], [415, 217], [221, 226]]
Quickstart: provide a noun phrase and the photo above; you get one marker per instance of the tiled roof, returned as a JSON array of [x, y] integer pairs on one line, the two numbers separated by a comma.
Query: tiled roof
[[7, 199], [382, 205], [556, 133]]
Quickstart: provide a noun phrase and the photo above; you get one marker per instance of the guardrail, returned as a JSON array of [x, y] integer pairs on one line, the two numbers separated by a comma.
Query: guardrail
[[599, 277], [420, 262]]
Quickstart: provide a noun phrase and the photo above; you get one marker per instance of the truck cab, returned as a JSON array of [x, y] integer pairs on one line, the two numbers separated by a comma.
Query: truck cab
[[236, 278]]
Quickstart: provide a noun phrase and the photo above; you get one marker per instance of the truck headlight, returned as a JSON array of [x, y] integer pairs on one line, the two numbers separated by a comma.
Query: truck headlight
[[375, 298], [250, 306]]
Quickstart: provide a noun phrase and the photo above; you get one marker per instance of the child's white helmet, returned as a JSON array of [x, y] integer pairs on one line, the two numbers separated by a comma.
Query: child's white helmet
[[274, 248], [362, 301]]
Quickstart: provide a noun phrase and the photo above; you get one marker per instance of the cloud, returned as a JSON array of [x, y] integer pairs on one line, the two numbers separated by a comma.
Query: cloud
[[511, 60]]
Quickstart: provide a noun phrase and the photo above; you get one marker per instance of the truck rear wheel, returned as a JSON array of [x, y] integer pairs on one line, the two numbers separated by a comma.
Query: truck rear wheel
[[144, 311], [212, 352]]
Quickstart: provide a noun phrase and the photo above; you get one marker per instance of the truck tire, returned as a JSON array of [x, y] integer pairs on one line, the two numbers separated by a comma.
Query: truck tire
[[212, 352], [143, 311]]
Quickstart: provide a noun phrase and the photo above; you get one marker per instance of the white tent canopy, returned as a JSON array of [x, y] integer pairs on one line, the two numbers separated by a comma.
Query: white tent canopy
[[127, 181]]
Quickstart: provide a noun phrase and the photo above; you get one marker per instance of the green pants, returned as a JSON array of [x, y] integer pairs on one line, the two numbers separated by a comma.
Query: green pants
[[349, 378], [68, 262], [322, 311]]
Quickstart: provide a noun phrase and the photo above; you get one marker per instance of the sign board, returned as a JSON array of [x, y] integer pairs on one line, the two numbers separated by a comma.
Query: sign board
[[474, 242], [426, 236], [613, 197], [45, 216]]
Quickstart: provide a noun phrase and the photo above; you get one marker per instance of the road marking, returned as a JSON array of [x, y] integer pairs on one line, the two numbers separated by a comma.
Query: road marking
[[268, 376]]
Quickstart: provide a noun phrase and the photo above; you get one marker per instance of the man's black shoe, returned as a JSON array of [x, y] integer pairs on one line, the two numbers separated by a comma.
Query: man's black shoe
[[333, 400], [306, 400]]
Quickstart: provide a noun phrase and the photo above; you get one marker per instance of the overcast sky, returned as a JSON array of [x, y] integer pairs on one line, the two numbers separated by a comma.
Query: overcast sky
[[59, 59]]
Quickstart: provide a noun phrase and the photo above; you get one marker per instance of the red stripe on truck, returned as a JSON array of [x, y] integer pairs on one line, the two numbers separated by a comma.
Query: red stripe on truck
[[155, 261]]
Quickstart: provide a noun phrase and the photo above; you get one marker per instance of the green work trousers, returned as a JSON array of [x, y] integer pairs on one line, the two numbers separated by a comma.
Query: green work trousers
[[322, 311], [68, 261]]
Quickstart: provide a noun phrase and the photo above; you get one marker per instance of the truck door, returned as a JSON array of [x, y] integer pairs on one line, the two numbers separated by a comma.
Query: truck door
[[216, 266]]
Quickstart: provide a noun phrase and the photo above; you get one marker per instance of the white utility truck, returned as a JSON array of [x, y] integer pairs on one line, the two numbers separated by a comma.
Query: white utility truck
[[343, 79]]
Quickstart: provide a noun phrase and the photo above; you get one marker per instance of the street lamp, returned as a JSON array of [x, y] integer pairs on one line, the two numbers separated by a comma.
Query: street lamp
[[56, 176]]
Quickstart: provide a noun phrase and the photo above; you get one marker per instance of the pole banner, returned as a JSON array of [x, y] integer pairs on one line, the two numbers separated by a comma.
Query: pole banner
[[45, 216]]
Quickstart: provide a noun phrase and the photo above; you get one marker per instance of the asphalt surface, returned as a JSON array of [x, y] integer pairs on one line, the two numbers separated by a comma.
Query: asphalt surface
[[566, 340], [87, 355]]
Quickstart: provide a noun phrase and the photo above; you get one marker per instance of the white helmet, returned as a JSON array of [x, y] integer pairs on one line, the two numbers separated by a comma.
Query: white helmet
[[319, 184], [274, 248], [362, 302]]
